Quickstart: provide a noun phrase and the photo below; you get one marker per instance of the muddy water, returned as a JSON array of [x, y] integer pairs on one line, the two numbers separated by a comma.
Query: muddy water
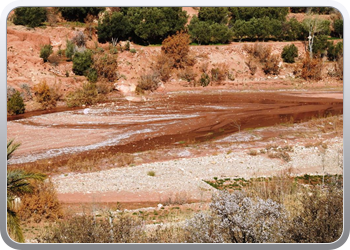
[[165, 121]]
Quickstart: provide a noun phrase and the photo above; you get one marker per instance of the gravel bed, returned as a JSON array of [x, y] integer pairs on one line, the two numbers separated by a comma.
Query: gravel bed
[[187, 174]]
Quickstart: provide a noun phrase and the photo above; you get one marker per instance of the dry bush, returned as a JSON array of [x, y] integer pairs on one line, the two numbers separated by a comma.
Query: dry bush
[[79, 39], [119, 228], [204, 67], [339, 68], [177, 47], [271, 65], [104, 87], [251, 66], [320, 219], [40, 205], [187, 74], [219, 72], [262, 54], [311, 68], [147, 82], [258, 51], [54, 60], [106, 66], [45, 95], [87, 95], [163, 66]]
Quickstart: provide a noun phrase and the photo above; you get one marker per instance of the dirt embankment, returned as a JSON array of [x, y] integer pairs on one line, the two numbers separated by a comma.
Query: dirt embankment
[[24, 65]]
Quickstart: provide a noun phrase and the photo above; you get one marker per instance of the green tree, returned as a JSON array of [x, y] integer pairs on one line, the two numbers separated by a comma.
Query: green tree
[[15, 104], [338, 27], [214, 14], [116, 26], [315, 26], [18, 183], [79, 13], [154, 24], [200, 31], [220, 33], [30, 16]]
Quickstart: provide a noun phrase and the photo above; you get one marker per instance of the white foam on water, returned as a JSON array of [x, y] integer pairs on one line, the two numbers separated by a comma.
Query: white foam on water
[[70, 150]]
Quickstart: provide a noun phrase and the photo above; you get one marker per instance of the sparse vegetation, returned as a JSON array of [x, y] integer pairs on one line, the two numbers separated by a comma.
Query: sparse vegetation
[[271, 207]]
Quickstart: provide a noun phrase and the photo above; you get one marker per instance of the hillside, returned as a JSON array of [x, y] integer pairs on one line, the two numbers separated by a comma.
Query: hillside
[[26, 67]]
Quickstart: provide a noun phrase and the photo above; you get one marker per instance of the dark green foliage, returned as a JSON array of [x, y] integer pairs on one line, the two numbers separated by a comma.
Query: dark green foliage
[[200, 31], [79, 13], [82, 62], [294, 30], [289, 53], [115, 26], [298, 9], [247, 13], [322, 10], [320, 45], [214, 14], [206, 32], [154, 24], [15, 104], [45, 52], [92, 75], [30, 16], [220, 33], [335, 51], [338, 27], [147, 25]]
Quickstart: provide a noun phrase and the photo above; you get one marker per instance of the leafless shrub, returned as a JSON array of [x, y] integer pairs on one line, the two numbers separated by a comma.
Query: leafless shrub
[[147, 82], [79, 39], [237, 218], [251, 66], [320, 218], [40, 205]]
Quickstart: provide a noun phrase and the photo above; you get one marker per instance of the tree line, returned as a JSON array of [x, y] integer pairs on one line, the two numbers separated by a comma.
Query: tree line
[[213, 25]]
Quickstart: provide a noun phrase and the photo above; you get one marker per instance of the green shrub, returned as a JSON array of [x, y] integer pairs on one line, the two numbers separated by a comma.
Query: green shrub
[[82, 62], [289, 53], [15, 104], [45, 52], [133, 51], [70, 50], [30, 16]]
